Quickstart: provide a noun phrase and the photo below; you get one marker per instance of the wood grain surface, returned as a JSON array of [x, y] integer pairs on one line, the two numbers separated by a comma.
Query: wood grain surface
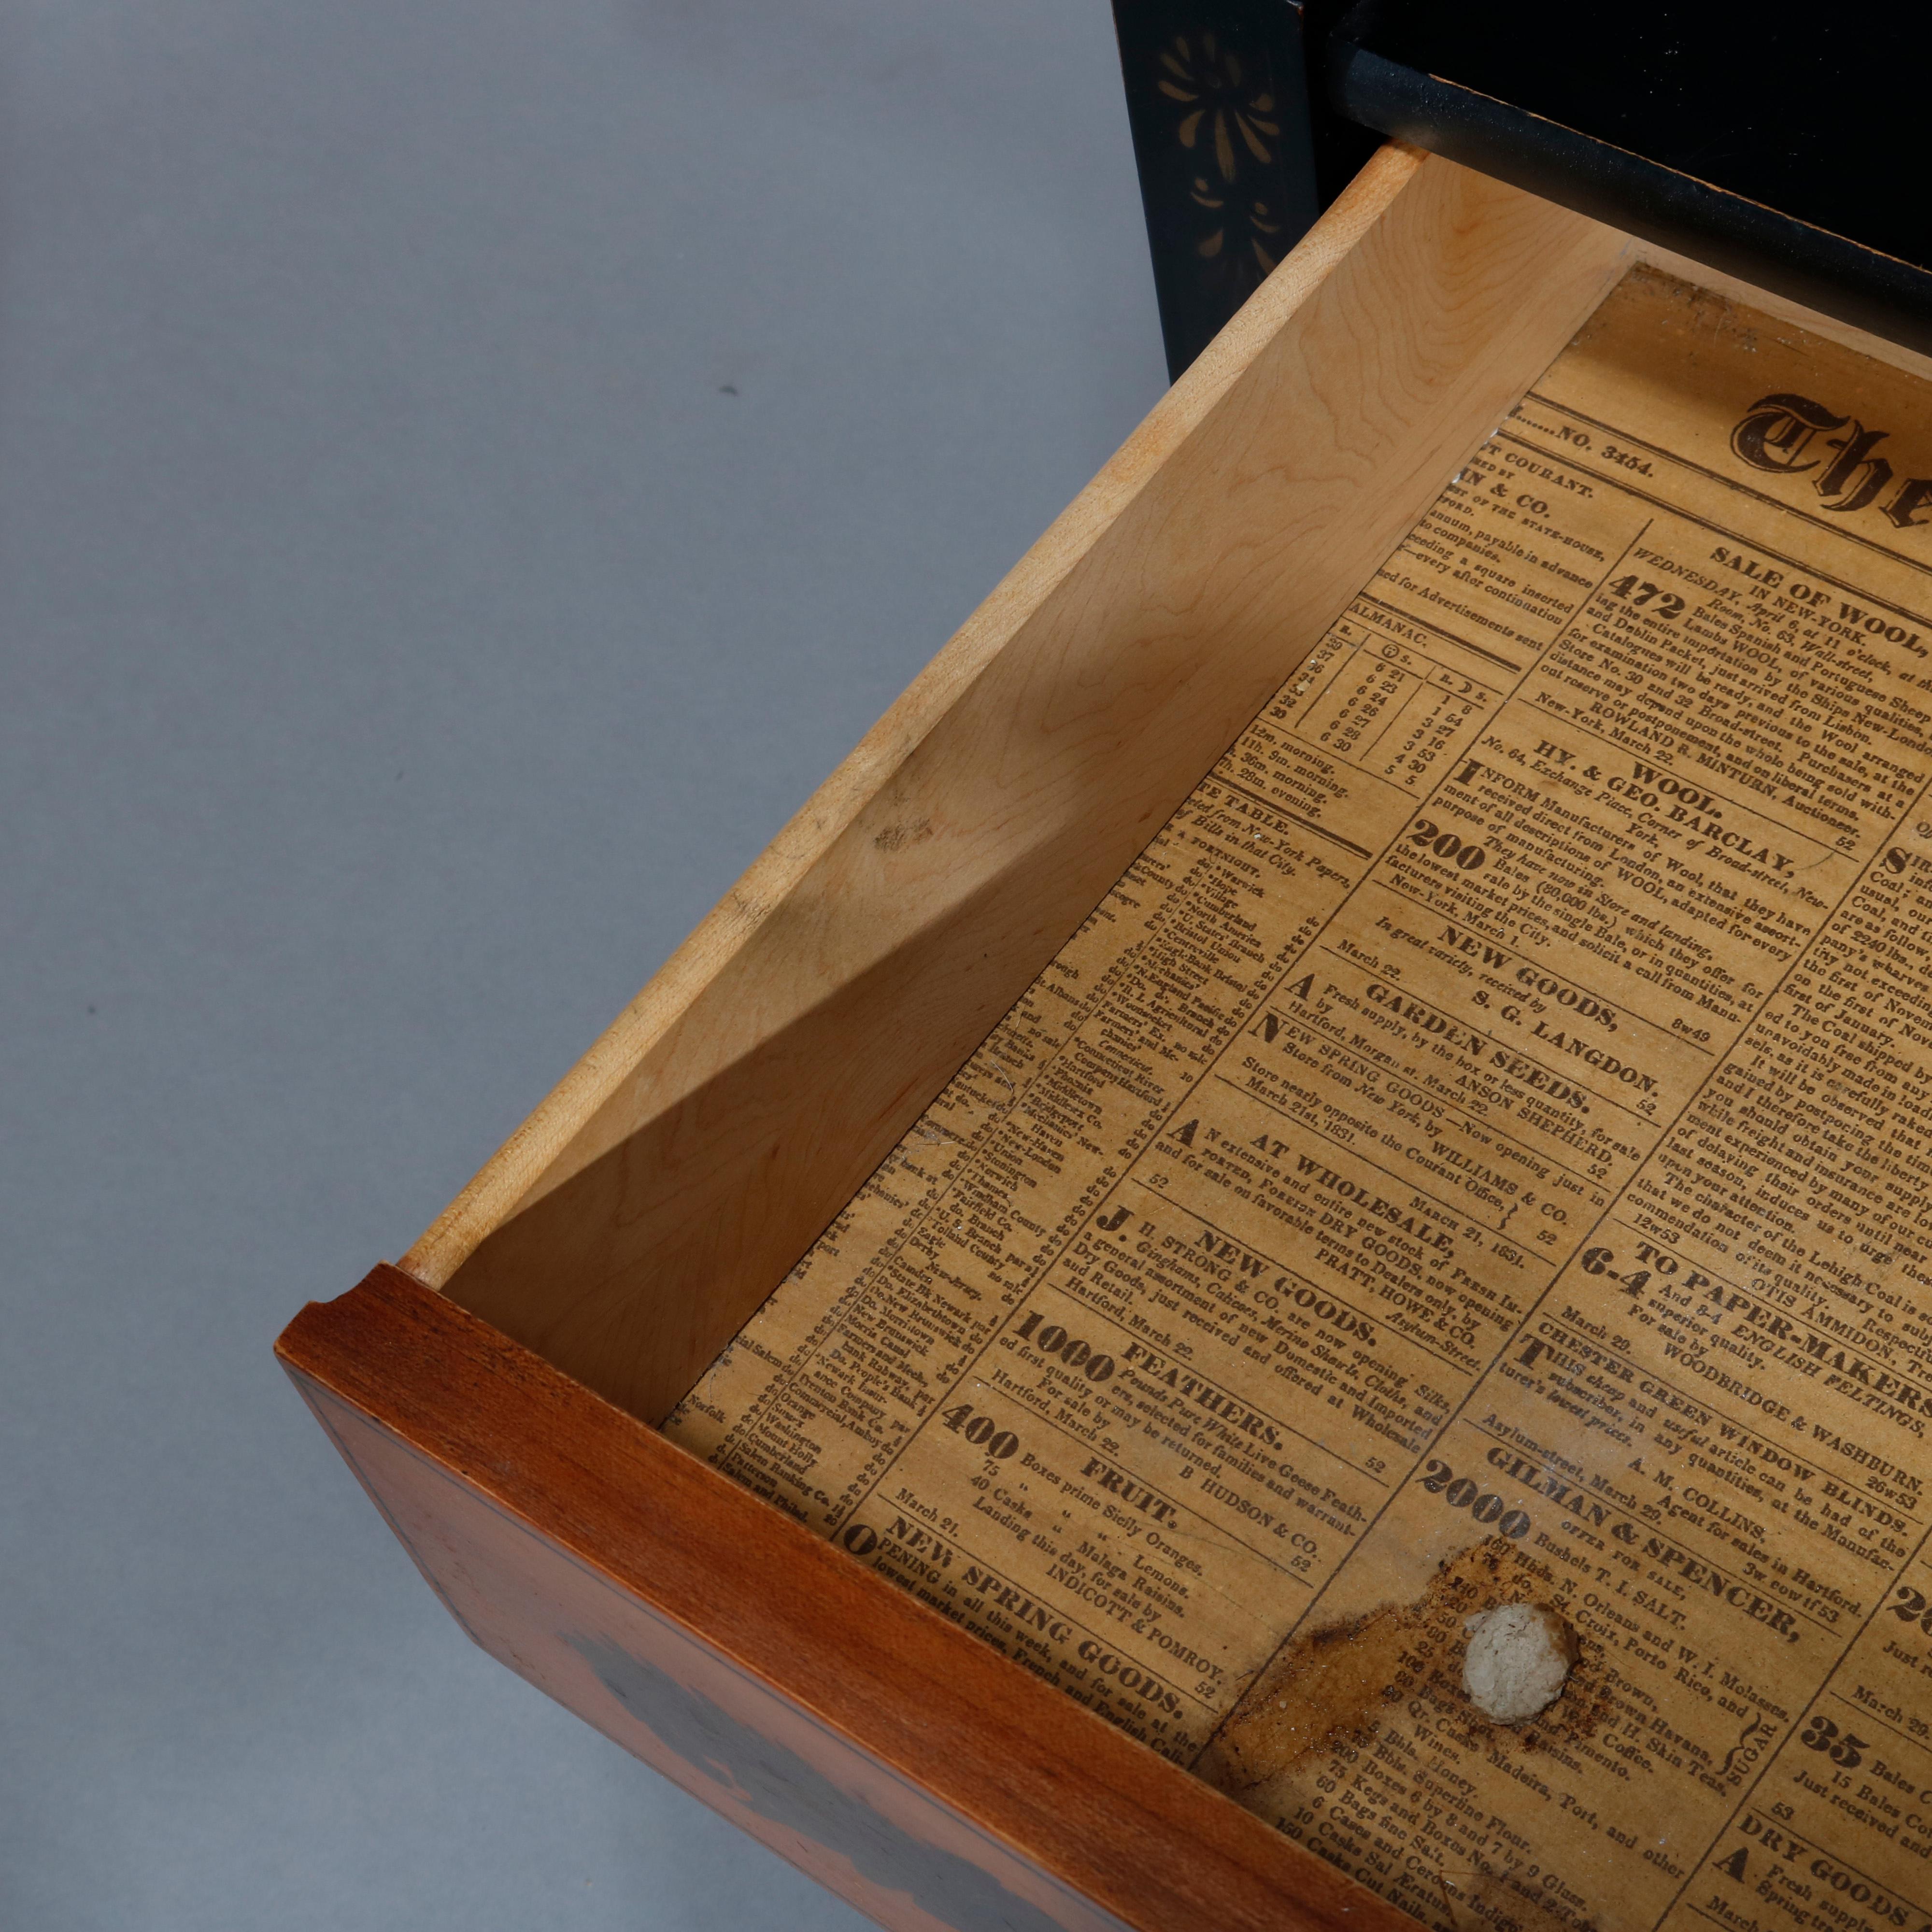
[[895, 1759], [661, 1193]]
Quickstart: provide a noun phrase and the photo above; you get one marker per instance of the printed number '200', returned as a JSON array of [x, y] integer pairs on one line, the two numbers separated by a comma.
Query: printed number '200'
[[1460, 1493], [1426, 832]]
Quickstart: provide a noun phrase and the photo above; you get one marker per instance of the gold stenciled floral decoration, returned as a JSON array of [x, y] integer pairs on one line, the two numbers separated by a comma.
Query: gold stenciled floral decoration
[[1228, 125]]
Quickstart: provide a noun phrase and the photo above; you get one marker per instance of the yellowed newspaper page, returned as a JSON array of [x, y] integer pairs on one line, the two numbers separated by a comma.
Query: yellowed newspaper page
[[1478, 1154]]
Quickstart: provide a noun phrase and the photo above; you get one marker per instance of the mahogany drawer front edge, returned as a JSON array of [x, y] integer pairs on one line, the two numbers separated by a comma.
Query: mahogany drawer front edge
[[897, 1759]]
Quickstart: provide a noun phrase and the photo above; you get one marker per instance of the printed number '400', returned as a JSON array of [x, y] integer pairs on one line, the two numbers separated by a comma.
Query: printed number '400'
[[978, 1430]]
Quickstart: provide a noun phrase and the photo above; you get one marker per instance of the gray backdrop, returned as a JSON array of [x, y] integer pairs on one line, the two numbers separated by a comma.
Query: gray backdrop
[[467, 471]]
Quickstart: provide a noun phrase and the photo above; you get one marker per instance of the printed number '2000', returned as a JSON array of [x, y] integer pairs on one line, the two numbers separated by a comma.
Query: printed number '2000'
[[1461, 1492]]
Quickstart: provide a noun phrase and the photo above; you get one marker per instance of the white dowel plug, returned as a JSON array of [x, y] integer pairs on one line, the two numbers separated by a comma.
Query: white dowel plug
[[1520, 1657]]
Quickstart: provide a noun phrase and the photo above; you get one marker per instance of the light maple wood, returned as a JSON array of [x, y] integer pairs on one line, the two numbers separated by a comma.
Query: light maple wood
[[518, 1171], [627, 1232], [896, 1758]]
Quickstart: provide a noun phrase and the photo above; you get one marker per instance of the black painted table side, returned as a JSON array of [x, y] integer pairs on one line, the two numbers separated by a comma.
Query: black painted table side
[[1777, 143]]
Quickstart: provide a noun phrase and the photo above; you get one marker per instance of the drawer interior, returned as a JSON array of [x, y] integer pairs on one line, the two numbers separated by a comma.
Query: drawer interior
[[1602, 557], [660, 1194]]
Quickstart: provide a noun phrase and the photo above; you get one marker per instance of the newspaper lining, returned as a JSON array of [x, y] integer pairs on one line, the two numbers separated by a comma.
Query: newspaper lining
[[1496, 1109]]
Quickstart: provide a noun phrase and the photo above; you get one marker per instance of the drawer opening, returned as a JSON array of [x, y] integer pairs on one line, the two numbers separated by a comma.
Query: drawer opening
[[702, 1146], [1462, 778]]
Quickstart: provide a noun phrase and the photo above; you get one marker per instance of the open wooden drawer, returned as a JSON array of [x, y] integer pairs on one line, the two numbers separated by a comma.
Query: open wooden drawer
[[499, 1392]]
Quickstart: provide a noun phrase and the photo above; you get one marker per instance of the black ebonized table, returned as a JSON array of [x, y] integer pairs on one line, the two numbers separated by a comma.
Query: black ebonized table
[[1784, 144]]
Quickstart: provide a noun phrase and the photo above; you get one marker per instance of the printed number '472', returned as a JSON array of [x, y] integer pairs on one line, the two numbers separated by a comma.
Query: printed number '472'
[[1640, 591]]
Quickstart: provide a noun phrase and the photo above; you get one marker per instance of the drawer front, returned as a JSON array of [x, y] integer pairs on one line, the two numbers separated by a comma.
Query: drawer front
[[895, 1759]]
